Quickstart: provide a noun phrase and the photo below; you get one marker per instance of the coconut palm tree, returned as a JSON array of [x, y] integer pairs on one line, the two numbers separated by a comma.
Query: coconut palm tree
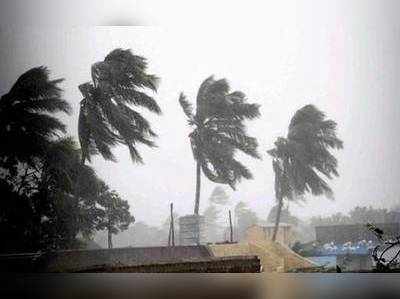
[[27, 125], [303, 158], [218, 132], [106, 115]]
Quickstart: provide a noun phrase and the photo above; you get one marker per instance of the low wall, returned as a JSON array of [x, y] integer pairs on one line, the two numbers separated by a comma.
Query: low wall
[[61, 261], [241, 264]]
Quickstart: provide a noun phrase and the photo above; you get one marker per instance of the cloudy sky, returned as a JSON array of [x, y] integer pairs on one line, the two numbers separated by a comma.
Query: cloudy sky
[[341, 56]]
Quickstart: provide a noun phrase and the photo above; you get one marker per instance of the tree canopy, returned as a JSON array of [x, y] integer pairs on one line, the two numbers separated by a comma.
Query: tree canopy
[[219, 132], [106, 116], [300, 158], [219, 196], [50, 200], [116, 210], [27, 121]]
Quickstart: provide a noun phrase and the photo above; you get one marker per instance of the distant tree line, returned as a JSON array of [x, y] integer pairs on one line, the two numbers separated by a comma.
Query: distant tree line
[[359, 215]]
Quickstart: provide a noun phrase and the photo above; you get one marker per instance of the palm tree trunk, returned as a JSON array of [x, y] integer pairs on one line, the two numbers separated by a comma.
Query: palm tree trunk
[[277, 218], [198, 183]]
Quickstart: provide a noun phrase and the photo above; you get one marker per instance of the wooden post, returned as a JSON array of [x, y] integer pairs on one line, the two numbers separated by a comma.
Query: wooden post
[[230, 225], [171, 235], [172, 225]]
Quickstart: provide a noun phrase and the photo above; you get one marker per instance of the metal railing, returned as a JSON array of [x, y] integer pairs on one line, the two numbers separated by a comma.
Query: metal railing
[[386, 254]]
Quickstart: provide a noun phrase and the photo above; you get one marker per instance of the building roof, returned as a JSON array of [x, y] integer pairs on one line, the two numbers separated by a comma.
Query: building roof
[[145, 259], [76, 259], [231, 264]]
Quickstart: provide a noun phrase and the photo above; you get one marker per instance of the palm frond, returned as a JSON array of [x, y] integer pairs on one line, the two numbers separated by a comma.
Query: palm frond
[[187, 107], [137, 98], [118, 83], [219, 131], [305, 153], [26, 114], [204, 90]]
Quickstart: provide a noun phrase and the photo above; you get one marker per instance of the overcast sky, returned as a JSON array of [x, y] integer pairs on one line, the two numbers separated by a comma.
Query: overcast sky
[[341, 56]]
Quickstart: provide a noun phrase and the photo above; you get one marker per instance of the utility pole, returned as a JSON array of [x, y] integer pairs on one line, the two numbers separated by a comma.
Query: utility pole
[[230, 225], [171, 235]]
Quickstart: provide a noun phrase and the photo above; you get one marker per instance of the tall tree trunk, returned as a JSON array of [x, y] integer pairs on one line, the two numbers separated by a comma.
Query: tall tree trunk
[[277, 218], [198, 183]]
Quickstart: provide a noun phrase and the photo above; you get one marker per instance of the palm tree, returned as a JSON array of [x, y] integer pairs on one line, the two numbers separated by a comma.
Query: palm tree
[[106, 116], [303, 156], [26, 124], [218, 132]]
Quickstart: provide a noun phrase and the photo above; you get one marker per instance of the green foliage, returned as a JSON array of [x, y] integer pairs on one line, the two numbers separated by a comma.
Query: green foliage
[[211, 215], [357, 215], [299, 159], [70, 190], [334, 219], [53, 200], [116, 213], [17, 221], [50, 200], [26, 123], [285, 216], [245, 218], [219, 196], [106, 117], [219, 131]]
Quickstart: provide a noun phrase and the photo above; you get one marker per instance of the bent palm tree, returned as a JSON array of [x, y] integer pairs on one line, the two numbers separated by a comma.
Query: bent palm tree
[[218, 132], [106, 117], [300, 159], [26, 124]]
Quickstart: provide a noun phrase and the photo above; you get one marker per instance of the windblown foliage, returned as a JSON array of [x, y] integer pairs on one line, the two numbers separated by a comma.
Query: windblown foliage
[[50, 200], [301, 158], [117, 217], [106, 116], [219, 196], [219, 131], [53, 200], [26, 123]]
